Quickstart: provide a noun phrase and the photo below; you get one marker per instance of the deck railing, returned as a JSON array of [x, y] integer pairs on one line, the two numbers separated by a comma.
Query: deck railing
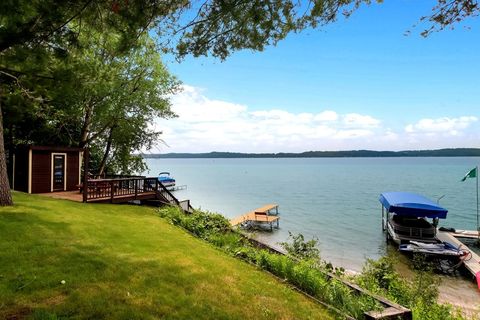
[[111, 176], [170, 198], [167, 195], [132, 188], [122, 176], [121, 187]]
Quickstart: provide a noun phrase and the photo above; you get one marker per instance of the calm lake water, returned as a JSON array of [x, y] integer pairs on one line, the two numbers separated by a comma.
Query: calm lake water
[[332, 199]]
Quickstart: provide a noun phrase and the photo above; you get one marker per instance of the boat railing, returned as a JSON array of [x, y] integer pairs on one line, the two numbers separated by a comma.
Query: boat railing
[[414, 232]]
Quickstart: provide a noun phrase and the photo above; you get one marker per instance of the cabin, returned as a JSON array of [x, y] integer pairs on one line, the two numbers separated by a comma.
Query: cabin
[[42, 169], [58, 172]]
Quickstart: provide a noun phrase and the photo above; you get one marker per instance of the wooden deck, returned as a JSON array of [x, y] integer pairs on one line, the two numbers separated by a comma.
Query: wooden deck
[[260, 215], [78, 197], [123, 190], [473, 263]]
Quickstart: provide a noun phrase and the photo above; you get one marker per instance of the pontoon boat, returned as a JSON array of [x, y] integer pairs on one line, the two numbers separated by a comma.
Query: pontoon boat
[[165, 179]]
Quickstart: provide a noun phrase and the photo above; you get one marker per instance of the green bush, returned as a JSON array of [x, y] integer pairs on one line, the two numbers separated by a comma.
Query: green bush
[[420, 295], [303, 268], [301, 249], [380, 277], [202, 224]]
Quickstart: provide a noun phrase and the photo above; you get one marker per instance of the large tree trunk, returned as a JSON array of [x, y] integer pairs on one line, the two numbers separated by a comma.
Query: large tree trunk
[[107, 151], [10, 148], [86, 135], [5, 194], [87, 122]]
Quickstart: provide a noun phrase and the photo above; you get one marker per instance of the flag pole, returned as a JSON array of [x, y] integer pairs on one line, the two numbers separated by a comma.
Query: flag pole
[[478, 230]]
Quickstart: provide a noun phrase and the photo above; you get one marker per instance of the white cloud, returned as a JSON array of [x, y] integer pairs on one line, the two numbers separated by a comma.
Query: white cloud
[[192, 106], [327, 115], [445, 126], [355, 120], [206, 124], [355, 133]]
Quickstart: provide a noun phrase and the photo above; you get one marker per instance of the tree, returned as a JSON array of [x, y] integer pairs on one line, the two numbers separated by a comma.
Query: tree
[[449, 12], [97, 88], [5, 196], [215, 27], [138, 94]]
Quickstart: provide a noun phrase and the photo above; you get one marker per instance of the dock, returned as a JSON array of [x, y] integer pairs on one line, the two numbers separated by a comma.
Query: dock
[[472, 263], [467, 234], [177, 188], [259, 215]]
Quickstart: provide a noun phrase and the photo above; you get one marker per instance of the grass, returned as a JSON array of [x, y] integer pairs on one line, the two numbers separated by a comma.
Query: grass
[[124, 262], [302, 266]]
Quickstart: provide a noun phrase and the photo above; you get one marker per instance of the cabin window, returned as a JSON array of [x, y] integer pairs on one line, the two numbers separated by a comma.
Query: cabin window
[[58, 172]]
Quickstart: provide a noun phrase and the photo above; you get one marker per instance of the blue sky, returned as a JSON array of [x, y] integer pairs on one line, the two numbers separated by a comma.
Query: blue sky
[[359, 83]]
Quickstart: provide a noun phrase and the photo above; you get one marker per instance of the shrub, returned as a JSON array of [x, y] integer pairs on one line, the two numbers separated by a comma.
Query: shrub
[[303, 268], [420, 295], [301, 249], [202, 224]]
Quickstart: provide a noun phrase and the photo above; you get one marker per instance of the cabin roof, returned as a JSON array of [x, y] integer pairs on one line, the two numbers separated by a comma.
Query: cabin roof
[[50, 148], [411, 204]]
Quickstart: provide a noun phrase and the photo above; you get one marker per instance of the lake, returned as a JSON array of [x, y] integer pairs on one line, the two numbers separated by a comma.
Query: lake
[[332, 199]]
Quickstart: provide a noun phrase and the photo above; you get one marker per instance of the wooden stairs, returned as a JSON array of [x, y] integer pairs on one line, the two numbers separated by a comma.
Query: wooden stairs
[[164, 196]]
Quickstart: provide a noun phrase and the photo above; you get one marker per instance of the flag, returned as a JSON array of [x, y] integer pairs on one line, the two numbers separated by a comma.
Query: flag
[[470, 174]]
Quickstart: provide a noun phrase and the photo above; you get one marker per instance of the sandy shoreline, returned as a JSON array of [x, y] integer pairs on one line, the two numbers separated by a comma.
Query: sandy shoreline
[[461, 293], [458, 290]]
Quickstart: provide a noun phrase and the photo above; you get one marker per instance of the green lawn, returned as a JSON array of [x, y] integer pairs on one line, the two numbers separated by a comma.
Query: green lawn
[[125, 262]]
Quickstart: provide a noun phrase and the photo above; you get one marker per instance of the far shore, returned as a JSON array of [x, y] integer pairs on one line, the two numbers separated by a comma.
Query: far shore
[[449, 152]]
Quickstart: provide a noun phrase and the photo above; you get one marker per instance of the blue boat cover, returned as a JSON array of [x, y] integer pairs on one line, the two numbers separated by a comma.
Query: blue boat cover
[[411, 204]]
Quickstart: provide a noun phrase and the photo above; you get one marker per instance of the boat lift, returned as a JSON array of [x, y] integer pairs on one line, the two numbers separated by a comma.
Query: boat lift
[[443, 242]]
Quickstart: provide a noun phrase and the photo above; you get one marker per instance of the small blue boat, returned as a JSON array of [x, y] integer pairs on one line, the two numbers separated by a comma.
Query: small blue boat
[[165, 179]]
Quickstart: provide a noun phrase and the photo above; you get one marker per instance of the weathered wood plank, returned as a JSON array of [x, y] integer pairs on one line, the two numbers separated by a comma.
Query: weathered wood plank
[[388, 313], [470, 234]]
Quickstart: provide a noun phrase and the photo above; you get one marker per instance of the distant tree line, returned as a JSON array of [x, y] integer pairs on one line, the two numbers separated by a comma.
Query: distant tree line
[[456, 152], [88, 73]]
